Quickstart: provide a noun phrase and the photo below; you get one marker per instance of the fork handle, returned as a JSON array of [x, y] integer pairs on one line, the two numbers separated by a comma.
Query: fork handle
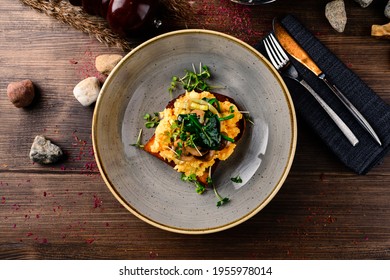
[[337, 120]]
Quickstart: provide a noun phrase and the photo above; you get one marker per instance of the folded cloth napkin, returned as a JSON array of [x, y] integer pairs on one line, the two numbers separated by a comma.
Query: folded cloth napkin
[[367, 153]]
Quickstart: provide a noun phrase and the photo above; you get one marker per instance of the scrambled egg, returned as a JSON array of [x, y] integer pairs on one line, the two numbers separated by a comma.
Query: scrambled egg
[[163, 142]]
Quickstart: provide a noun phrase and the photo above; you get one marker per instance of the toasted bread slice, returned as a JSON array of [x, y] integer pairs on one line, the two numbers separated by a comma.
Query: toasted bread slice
[[241, 124]]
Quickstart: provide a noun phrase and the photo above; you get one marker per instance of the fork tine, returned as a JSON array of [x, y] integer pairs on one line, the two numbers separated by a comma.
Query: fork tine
[[277, 45], [271, 54]]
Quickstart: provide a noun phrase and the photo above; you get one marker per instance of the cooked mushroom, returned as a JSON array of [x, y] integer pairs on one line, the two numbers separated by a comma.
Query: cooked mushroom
[[193, 151], [199, 114]]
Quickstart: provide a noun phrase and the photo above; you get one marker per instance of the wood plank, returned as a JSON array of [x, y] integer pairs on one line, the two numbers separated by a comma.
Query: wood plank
[[65, 211], [79, 218]]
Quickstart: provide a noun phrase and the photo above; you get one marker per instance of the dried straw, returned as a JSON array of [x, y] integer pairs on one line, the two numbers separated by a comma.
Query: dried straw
[[95, 26]]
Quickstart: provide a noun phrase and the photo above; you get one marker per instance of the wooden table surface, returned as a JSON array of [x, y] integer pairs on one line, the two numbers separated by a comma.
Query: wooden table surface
[[65, 211]]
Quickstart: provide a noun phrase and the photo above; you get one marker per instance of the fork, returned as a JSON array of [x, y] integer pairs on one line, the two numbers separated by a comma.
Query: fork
[[281, 62]]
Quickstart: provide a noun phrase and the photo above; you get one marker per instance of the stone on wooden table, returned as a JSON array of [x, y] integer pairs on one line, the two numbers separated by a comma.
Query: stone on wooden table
[[364, 3], [387, 9], [106, 62], [87, 91], [44, 151], [21, 93], [336, 14]]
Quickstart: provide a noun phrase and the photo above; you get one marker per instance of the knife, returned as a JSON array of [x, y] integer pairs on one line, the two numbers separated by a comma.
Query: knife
[[296, 51]]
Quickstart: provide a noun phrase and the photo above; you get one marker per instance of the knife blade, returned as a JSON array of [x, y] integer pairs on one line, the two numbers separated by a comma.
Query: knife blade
[[296, 51]]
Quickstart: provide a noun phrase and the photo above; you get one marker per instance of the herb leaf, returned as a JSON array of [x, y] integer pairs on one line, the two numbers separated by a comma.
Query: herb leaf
[[236, 179], [192, 179], [199, 188], [227, 138], [192, 80], [208, 135], [221, 200], [151, 122], [225, 118]]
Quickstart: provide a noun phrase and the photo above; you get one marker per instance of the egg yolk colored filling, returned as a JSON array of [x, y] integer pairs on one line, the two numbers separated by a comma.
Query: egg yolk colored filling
[[196, 132]]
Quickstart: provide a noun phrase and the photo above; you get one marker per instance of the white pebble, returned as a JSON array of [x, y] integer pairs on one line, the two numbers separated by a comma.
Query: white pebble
[[87, 91], [336, 15]]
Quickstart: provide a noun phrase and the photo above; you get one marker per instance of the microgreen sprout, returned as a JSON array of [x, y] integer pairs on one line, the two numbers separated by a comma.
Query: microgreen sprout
[[236, 179], [247, 117], [221, 200], [199, 187], [192, 179], [192, 80], [138, 143], [151, 122]]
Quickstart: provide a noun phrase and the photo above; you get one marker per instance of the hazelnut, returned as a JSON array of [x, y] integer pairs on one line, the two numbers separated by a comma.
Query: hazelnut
[[21, 93]]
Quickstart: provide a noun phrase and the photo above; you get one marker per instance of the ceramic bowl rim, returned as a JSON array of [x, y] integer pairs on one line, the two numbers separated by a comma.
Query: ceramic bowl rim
[[276, 188]]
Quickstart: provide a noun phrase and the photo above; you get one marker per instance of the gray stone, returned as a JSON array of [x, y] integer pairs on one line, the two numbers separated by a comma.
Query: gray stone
[[364, 3], [44, 152], [336, 15], [387, 10]]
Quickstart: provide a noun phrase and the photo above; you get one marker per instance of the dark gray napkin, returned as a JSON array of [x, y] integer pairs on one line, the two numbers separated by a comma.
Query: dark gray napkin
[[367, 153]]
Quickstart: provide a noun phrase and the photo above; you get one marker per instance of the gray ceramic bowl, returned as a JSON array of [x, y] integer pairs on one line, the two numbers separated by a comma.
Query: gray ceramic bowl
[[152, 190]]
